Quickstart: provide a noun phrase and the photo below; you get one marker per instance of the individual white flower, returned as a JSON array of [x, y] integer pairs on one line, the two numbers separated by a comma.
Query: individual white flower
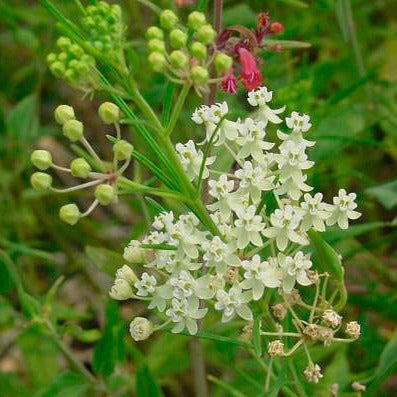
[[251, 139], [353, 329], [121, 290], [331, 318], [254, 181], [259, 275], [146, 285], [212, 114], [343, 209], [220, 190], [134, 253], [226, 130], [298, 123], [140, 328], [163, 220], [126, 273], [293, 187], [222, 224], [233, 302], [248, 227], [294, 270], [285, 223], [266, 161], [260, 97], [173, 262], [185, 285], [218, 254], [161, 295], [313, 373], [185, 313], [314, 212], [191, 160], [155, 238]]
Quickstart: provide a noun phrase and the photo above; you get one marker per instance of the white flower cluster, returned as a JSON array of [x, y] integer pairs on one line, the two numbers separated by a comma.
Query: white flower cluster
[[258, 246]]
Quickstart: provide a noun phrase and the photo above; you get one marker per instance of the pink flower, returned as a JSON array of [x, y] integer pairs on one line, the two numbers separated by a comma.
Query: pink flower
[[250, 76], [229, 83]]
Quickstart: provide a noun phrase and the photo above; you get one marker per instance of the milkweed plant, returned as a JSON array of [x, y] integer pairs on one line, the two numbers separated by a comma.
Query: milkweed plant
[[248, 243]]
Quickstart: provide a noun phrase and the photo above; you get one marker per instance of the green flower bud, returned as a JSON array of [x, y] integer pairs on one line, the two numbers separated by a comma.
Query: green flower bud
[[63, 57], [122, 150], [196, 19], [154, 33], [156, 45], [141, 328], [41, 159], [223, 62], [82, 68], [178, 59], [105, 194], [157, 61], [70, 76], [109, 113], [76, 50], [199, 74], [73, 130], [168, 19], [51, 58], [64, 43], [198, 50], [80, 168], [70, 213], [206, 34], [41, 181], [178, 38], [57, 69], [64, 113]]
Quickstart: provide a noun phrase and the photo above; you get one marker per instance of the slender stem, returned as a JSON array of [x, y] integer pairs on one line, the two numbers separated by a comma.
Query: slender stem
[[268, 375], [198, 365], [293, 348], [294, 334], [92, 152], [78, 187], [177, 109], [59, 168], [90, 208], [299, 388], [314, 302]]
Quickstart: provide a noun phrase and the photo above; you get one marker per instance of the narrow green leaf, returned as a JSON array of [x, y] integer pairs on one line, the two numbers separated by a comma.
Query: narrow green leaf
[[146, 385], [256, 335], [169, 93], [158, 207], [226, 386], [68, 384], [385, 193], [286, 44], [104, 259], [388, 357]]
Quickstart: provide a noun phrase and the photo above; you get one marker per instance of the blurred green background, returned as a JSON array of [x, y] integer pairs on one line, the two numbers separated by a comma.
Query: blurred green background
[[346, 81]]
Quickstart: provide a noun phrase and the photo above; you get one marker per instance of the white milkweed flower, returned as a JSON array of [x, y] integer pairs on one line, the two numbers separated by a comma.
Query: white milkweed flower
[[223, 224], [294, 270], [254, 181], [185, 285], [275, 348], [285, 223], [343, 209], [126, 273], [251, 139], [259, 275], [226, 130], [233, 302], [260, 97], [140, 328], [313, 373], [298, 123], [248, 227], [210, 114], [220, 255], [353, 329], [220, 190], [185, 313], [134, 253], [121, 290], [331, 318], [314, 212], [163, 220], [293, 187], [191, 160], [146, 285], [155, 238]]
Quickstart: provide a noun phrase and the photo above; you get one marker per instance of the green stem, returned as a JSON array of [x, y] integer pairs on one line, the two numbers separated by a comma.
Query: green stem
[[177, 109]]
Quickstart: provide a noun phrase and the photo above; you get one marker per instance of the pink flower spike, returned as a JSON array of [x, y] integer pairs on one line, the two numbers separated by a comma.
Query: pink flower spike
[[250, 76], [229, 83]]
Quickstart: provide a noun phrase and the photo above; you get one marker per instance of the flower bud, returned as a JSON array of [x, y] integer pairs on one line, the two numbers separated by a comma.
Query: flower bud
[[80, 168], [154, 33], [353, 329], [122, 150], [76, 50], [64, 43], [73, 130], [109, 113], [64, 113], [126, 273], [134, 253], [70, 213], [168, 19], [41, 181], [196, 19], [105, 194], [178, 59], [276, 27], [140, 328], [121, 290], [57, 69], [275, 348], [51, 58], [199, 74], [156, 45], [206, 34], [70, 76], [41, 159], [157, 61], [223, 63], [198, 50], [178, 38]]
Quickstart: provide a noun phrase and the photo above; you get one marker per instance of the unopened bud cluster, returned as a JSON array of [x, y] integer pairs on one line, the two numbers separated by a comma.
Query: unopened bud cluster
[[189, 51]]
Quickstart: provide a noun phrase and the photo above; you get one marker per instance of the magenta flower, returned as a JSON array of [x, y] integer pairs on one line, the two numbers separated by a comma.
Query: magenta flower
[[250, 76], [229, 83]]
